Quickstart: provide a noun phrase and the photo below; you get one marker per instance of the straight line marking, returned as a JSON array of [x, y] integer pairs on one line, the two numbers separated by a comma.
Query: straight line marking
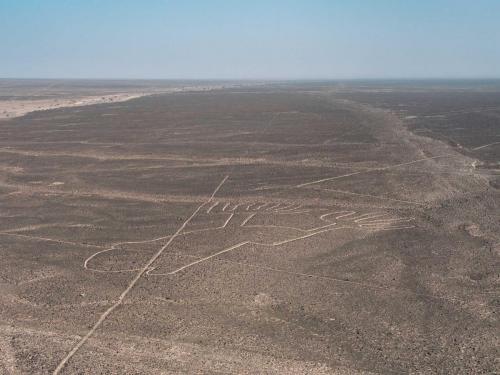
[[371, 170], [208, 257], [131, 285]]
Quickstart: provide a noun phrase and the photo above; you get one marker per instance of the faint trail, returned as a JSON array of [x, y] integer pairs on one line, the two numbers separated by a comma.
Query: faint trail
[[39, 278], [344, 281], [310, 275], [134, 281], [372, 170], [372, 196], [49, 240], [484, 146], [36, 226]]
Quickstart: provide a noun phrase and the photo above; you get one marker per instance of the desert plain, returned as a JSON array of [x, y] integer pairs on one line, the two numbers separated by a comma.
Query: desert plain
[[238, 228]]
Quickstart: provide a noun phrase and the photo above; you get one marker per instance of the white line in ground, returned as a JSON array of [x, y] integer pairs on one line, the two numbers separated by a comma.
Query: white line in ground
[[484, 146], [372, 170], [206, 258], [131, 285], [49, 240], [212, 207], [363, 221], [372, 196], [248, 219]]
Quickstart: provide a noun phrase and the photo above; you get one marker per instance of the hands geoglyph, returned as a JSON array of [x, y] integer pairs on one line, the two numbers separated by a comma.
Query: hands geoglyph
[[224, 226]]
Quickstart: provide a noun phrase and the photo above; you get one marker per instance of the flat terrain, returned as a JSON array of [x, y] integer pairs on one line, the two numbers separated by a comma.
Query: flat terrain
[[21, 96], [287, 228]]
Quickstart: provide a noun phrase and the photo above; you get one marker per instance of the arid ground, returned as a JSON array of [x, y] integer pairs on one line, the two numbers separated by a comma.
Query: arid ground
[[286, 228], [21, 96]]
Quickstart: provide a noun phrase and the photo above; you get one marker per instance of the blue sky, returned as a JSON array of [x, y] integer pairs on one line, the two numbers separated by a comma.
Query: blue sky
[[274, 39]]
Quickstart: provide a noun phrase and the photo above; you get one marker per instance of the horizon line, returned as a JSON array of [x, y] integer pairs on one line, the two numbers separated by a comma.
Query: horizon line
[[268, 79]]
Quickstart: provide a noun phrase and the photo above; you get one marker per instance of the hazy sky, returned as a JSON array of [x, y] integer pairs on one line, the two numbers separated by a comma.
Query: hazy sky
[[250, 38]]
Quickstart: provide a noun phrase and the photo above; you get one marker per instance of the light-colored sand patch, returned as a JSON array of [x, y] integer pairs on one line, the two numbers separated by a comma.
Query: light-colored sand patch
[[16, 108], [19, 107]]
